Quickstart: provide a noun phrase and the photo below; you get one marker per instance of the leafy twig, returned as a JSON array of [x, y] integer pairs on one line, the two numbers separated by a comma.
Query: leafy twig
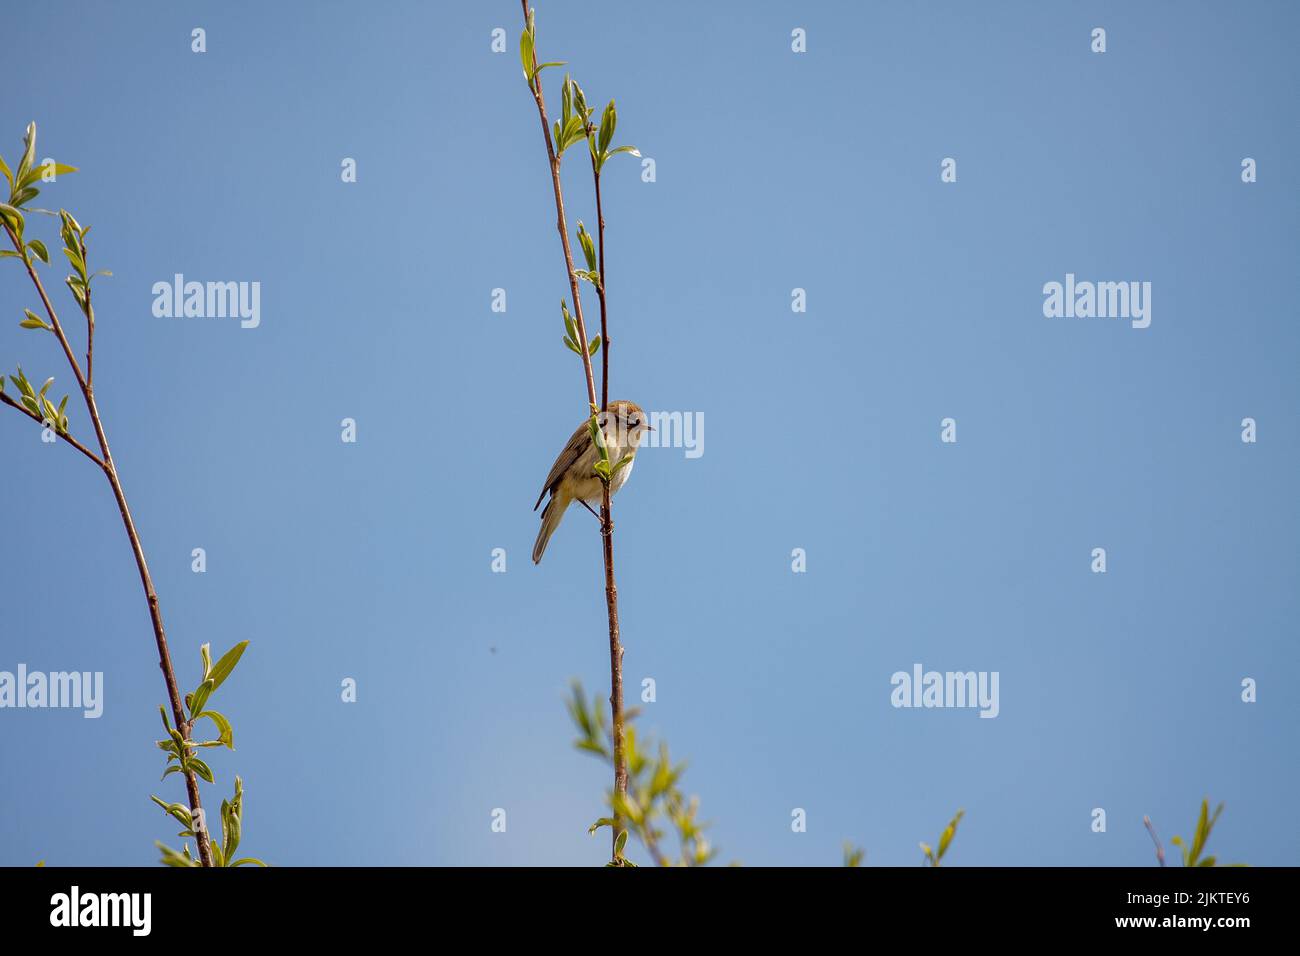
[[22, 190], [574, 125]]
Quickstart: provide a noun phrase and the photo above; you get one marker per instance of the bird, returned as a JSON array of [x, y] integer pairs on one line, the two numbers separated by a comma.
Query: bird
[[573, 476]]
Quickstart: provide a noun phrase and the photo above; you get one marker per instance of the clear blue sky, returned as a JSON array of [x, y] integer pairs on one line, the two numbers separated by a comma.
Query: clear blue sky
[[774, 171]]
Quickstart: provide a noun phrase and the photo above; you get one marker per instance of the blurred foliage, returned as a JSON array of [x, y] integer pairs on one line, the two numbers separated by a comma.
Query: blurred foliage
[[654, 803], [1204, 826]]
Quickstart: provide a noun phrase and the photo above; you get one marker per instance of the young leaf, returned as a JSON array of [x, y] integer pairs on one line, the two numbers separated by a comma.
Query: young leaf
[[227, 664], [526, 55], [225, 733], [36, 172], [588, 246], [607, 123], [29, 153], [33, 321], [200, 697]]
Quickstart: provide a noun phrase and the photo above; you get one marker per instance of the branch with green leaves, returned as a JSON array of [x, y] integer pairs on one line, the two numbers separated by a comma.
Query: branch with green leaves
[[653, 800], [574, 125], [36, 405], [1191, 852], [182, 757]]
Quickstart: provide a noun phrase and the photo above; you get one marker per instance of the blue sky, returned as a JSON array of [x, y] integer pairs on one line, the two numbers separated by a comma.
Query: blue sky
[[774, 171]]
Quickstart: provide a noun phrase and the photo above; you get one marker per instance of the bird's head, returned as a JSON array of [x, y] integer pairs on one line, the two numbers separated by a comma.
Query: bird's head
[[629, 423]]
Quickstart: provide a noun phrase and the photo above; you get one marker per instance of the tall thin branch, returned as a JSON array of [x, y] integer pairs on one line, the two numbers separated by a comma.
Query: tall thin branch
[[600, 291], [607, 520], [607, 523], [146, 580]]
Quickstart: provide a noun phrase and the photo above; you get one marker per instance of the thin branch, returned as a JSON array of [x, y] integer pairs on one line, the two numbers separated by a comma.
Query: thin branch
[[561, 222], [600, 291], [146, 580], [1160, 850], [90, 327], [6, 400], [607, 520], [607, 523]]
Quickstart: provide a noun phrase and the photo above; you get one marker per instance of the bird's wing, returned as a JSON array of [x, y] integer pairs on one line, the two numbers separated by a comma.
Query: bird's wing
[[579, 442]]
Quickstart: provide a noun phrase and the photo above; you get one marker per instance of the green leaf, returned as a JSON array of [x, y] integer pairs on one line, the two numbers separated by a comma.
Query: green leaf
[[200, 697], [33, 321], [526, 55], [593, 346], [250, 859], [588, 246], [598, 435], [572, 346], [205, 653], [9, 176], [29, 153], [177, 810], [200, 767], [38, 247], [77, 262], [1202, 831], [225, 733], [12, 217], [573, 131], [620, 841], [37, 172], [602, 822], [580, 105], [171, 858], [625, 149], [231, 826], [607, 123], [227, 664]]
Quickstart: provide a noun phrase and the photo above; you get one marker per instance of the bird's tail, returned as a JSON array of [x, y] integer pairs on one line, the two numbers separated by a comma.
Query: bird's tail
[[551, 516]]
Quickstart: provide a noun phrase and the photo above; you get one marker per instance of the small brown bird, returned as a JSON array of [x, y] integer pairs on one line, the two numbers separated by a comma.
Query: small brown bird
[[573, 476]]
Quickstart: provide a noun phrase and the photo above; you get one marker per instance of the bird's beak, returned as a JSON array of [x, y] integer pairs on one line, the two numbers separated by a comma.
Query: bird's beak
[[649, 428]]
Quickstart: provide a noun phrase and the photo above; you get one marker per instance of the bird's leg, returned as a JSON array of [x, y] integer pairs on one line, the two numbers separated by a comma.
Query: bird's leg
[[589, 508]]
